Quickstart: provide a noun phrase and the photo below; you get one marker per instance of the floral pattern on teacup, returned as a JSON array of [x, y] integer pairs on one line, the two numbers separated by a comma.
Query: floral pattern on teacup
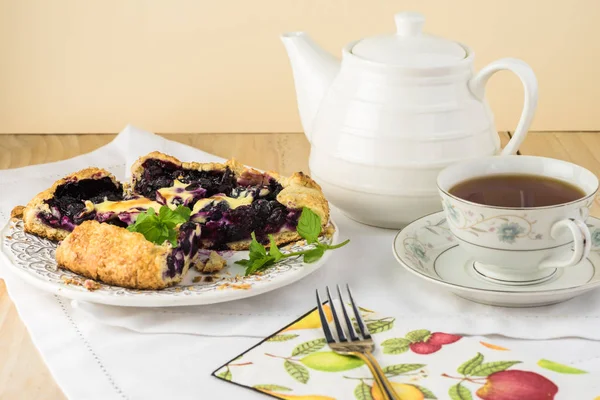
[[508, 228], [509, 231], [596, 238]]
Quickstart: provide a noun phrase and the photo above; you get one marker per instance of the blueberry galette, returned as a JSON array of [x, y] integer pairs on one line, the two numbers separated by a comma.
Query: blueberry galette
[[106, 231]]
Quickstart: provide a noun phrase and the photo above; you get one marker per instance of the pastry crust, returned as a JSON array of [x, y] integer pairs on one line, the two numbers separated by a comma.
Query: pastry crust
[[33, 224], [115, 256], [299, 190]]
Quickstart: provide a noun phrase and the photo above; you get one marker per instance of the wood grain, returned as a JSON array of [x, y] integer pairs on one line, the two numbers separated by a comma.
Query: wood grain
[[23, 374], [285, 152]]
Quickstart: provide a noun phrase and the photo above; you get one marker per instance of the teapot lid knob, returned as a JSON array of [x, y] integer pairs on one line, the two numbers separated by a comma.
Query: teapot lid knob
[[409, 23], [409, 46]]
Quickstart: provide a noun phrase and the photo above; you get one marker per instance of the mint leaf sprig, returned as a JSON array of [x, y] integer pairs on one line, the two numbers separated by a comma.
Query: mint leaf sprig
[[309, 228], [157, 228]]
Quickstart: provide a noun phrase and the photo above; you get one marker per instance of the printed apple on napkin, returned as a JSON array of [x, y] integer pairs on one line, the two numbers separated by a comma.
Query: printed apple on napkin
[[296, 363]]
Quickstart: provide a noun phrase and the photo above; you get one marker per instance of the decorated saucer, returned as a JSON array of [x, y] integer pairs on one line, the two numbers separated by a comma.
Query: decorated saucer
[[427, 248]]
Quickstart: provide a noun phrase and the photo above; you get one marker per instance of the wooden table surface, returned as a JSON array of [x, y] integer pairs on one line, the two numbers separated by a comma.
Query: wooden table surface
[[23, 374]]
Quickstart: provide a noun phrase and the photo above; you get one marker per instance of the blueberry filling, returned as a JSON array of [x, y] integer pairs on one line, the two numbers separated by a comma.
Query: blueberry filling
[[186, 250], [224, 224], [214, 182], [222, 221], [159, 174], [68, 203]]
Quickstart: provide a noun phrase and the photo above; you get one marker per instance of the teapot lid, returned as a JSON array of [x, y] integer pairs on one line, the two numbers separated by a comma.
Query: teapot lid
[[409, 46]]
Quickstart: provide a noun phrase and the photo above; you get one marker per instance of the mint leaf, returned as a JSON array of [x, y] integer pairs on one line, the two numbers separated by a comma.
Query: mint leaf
[[309, 225], [337, 246], [158, 228], [172, 218], [183, 212], [245, 263], [141, 217], [151, 229], [274, 250], [163, 212], [172, 238], [259, 264], [313, 255], [256, 248]]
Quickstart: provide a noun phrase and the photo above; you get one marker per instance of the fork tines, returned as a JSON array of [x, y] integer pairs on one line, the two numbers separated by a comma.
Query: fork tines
[[341, 334]]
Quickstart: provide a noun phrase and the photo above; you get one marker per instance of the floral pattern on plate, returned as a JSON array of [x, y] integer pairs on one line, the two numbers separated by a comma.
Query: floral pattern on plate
[[35, 256]]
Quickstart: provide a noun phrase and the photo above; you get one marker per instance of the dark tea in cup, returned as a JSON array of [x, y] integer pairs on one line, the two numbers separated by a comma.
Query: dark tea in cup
[[517, 191]]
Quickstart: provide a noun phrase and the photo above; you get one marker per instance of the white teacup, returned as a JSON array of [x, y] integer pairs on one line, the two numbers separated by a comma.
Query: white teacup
[[520, 245]]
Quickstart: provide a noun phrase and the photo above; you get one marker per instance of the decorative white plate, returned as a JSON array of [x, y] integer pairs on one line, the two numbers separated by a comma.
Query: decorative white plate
[[427, 248], [32, 258]]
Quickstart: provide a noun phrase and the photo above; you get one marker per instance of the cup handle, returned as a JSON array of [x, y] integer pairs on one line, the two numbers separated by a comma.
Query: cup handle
[[530, 86], [582, 243]]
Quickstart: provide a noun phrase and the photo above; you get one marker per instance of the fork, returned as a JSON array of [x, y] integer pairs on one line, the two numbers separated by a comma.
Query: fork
[[355, 346]]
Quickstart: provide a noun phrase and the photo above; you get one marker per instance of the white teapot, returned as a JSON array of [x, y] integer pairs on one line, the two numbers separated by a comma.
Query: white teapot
[[396, 110]]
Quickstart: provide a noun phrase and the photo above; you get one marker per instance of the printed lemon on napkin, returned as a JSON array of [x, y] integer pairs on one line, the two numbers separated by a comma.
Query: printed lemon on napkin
[[296, 363]]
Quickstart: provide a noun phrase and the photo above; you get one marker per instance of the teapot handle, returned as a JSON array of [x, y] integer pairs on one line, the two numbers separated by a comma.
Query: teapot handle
[[529, 81]]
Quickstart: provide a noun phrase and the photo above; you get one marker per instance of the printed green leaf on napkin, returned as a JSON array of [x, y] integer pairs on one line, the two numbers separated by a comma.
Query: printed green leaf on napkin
[[297, 371], [560, 368], [459, 392]]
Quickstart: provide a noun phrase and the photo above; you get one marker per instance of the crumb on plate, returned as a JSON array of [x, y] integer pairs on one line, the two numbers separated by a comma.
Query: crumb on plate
[[215, 263], [91, 285], [243, 286], [71, 281]]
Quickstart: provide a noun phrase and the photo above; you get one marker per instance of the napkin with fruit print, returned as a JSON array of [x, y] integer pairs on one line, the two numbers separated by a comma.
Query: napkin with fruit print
[[296, 364]]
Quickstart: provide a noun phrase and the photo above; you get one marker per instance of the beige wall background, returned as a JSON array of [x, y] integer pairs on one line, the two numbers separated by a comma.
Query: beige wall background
[[73, 66]]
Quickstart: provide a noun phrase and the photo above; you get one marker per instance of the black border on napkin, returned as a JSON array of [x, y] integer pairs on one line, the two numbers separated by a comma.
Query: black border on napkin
[[214, 373]]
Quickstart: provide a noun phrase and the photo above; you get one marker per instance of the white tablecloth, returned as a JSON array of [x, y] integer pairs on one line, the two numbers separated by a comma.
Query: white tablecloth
[[96, 353]]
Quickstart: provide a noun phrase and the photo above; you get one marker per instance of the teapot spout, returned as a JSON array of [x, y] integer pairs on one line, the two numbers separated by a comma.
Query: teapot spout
[[314, 70]]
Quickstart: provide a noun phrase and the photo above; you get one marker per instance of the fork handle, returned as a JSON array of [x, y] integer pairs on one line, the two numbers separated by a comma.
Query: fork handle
[[387, 385], [382, 381]]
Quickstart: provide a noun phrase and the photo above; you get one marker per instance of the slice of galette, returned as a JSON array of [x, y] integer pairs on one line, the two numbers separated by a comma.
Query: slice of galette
[[229, 200], [55, 212], [114, 255]]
